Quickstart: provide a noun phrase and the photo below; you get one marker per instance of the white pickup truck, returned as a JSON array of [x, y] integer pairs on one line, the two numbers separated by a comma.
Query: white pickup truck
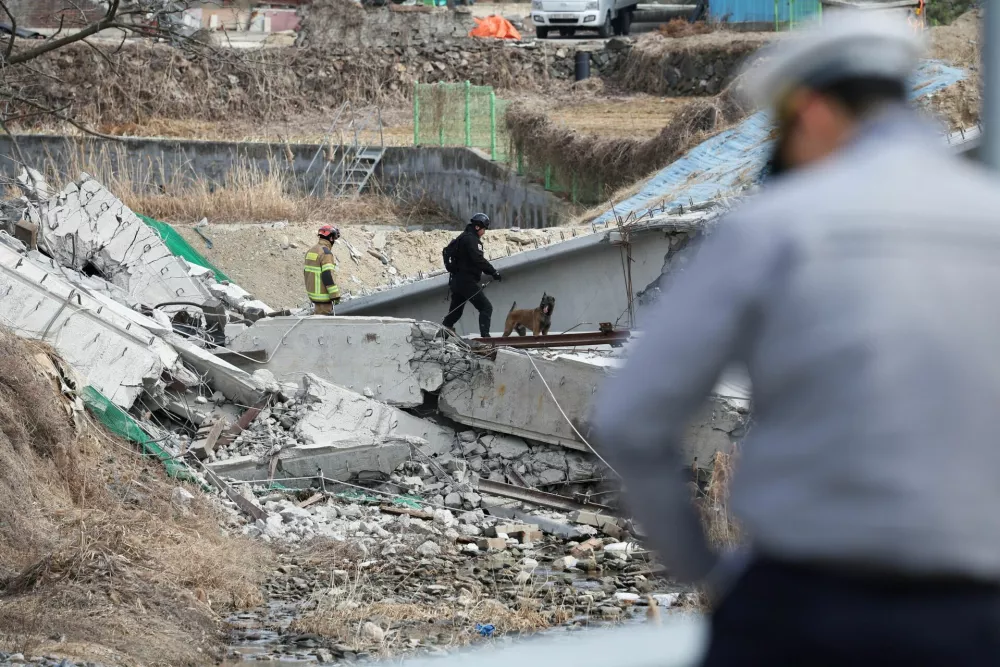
[[607, 17]]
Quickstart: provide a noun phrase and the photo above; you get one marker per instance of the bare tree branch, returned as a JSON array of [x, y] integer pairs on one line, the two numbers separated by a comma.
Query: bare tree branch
[[52, 45], [13, 31]]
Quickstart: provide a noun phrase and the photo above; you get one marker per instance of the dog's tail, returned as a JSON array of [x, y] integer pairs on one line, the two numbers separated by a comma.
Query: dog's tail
[[512, 307]]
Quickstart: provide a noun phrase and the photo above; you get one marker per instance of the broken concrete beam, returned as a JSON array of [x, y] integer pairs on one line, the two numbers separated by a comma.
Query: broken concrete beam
[[107, 351], [380, 357], [545, 524], [505, 395], [86, 225], [235, 384], [340, 415], [333, 463]]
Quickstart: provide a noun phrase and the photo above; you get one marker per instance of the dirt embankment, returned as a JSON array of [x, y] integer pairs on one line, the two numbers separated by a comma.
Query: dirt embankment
[[266, 260], [99, 560], [959, 44], [613, 161]]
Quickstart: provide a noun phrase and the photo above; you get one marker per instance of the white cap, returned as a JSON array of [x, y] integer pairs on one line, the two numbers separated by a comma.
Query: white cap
[[846, 44]]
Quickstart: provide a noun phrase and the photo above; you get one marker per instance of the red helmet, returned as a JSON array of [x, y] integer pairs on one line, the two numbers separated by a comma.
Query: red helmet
[[329, 232]]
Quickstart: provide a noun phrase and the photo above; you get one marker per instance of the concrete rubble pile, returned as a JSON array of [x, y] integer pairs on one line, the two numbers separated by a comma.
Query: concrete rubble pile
[[380, 431]]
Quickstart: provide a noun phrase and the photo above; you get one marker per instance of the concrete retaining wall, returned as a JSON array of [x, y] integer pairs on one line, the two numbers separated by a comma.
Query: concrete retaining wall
[[335, 23], [459, 180], [464, 182]]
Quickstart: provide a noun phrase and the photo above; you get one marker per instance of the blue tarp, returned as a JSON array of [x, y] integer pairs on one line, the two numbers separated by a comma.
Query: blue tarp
[[734, 157]]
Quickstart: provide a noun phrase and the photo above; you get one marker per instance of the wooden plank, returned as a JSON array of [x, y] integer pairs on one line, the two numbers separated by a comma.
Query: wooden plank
[[204, 446], [244, 503], [312, 500]]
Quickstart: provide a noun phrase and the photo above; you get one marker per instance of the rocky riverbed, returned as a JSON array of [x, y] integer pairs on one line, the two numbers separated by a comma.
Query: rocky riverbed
[[418, 582]]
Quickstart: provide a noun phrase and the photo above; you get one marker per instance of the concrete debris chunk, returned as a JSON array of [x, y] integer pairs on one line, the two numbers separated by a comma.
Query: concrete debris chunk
[[429, 549], [181, 497], [338, 415]]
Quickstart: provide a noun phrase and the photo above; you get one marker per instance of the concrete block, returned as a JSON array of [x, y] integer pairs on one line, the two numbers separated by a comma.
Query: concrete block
[[514, 529], [357, 353], [86, 225], [341, 463], [491, 543], [340, 415], [530, 536]]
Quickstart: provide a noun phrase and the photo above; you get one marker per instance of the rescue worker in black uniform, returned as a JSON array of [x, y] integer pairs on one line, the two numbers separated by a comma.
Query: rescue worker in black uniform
[[465, 262]]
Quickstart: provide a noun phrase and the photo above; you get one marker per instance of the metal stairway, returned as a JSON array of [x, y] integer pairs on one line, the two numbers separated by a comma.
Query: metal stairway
[[354, 156]]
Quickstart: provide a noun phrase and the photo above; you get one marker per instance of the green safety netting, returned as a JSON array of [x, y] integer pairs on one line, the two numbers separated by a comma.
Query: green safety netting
[[121, 423], [178, 246], [459, 114]]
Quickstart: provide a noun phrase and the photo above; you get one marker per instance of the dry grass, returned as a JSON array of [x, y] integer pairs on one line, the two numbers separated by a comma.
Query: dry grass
[[721, 527], [248, 193], [679, 27], [615, 162], [451, 624], [376, 593], [95, 560]]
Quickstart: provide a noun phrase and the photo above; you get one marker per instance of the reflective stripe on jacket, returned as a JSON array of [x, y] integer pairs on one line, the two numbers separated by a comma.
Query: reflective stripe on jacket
[[320, 260]]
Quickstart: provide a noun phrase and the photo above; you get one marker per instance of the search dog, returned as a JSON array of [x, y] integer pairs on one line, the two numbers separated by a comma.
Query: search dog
[[537, 319]]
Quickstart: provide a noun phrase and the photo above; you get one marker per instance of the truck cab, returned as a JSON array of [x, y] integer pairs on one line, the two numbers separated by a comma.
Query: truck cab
[[607, 17]]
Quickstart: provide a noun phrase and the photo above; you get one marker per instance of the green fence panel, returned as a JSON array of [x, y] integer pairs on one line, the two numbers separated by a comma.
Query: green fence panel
[[121, 423], [178, 246], [459, 114]]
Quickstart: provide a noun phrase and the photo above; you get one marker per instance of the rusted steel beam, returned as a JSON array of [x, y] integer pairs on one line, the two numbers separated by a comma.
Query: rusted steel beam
[[539, 498], [615, 337]]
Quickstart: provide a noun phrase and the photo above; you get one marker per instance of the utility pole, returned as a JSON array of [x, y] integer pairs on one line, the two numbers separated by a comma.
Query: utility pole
[[990, 115]]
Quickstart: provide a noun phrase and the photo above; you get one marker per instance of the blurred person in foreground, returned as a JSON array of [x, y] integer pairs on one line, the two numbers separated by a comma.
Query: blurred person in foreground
[[861, 288]]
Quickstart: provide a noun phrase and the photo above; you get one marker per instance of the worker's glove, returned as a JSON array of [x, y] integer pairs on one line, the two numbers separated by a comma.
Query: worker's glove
[[497, 277], [336, 301]]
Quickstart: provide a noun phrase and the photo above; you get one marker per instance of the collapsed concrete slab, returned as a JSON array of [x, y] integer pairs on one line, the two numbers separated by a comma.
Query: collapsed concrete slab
[[507, 396], [86, 227], [388, 359], [300, 466], [107, 350], [338, 415]]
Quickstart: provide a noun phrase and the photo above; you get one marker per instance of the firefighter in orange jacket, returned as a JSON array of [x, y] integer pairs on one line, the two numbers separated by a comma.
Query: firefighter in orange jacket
[[319, 267]]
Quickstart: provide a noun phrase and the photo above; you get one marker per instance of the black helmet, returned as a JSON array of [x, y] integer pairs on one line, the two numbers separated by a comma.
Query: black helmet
[[481, 220]]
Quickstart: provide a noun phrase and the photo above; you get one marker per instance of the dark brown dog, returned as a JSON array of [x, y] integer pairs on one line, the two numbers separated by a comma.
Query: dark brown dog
[[537, 319]]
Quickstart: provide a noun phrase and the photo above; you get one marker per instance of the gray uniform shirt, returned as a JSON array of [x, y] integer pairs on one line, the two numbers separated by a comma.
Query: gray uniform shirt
[[863, 294]]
